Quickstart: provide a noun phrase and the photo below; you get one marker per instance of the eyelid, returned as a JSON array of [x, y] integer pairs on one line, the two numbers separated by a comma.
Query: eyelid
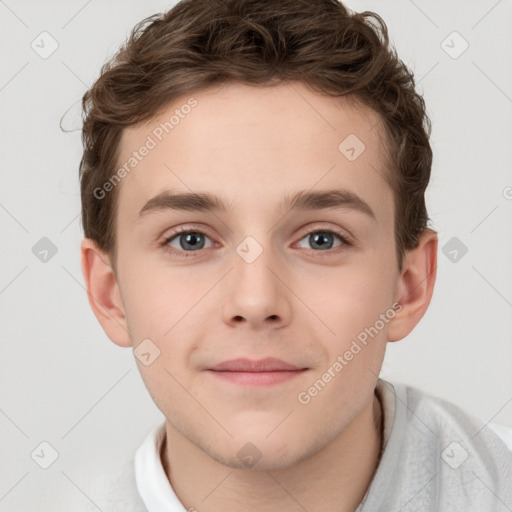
[[340, 232], [173, 232]]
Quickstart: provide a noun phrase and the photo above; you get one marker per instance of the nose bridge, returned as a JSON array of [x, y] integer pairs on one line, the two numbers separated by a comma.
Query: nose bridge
[[256, 291], [256, 229], [254, 259]]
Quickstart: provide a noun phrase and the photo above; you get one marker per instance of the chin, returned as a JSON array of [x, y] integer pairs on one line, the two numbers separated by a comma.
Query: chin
[[259, 454], [259, 461]]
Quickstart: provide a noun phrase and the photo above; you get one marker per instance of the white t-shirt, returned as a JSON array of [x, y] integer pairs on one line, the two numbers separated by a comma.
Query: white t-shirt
[[435, 458]]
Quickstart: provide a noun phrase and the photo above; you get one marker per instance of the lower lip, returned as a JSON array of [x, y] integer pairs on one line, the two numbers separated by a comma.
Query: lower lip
[[257, 378]]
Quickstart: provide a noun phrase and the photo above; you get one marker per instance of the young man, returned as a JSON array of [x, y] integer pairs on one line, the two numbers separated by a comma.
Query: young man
[[255, 227]]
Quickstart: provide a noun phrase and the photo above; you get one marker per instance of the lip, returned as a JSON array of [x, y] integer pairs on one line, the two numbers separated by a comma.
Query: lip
[[269, 364], [249, 372]]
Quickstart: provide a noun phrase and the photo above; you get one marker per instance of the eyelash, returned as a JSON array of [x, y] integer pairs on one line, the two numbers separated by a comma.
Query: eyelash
[[189, 254]]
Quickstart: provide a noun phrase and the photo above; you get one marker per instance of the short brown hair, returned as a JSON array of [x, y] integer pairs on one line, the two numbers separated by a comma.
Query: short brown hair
[[200, 43]]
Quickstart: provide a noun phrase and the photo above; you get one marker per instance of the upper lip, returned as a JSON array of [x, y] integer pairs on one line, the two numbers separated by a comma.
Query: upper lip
[[269, 364]]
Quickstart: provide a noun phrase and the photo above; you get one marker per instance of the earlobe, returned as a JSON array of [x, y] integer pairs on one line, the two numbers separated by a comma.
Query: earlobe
[[103, 292], [416, 286]]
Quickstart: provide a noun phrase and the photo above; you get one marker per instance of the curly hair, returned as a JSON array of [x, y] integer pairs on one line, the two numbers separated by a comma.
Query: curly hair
[[200, 43]]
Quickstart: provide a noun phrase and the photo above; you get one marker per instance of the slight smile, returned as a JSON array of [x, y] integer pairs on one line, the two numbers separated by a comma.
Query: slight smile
[[263, 372]]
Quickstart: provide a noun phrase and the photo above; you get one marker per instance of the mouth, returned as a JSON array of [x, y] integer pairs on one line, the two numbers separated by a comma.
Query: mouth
[[262, 372]]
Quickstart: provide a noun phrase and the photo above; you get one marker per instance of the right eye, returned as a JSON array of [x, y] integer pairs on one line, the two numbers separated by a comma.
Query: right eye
[[186, 239]]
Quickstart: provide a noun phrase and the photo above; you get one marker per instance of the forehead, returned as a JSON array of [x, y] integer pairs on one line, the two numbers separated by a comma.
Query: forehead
[[255, 145]]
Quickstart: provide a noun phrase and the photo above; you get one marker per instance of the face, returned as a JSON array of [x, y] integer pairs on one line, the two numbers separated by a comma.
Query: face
[[311, 284]]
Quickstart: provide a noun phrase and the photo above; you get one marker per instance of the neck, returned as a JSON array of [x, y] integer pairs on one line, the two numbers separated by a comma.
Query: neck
[[334, 479]]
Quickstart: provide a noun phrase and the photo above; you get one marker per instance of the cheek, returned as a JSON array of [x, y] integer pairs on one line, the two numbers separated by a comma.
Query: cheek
[[155, 299], [357, 310], [355, 294]]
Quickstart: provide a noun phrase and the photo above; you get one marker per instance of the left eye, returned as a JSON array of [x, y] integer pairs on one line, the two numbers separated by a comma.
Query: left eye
[[322, 239]]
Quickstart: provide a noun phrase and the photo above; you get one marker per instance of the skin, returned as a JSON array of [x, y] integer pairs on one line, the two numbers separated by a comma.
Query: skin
[[252, 146]]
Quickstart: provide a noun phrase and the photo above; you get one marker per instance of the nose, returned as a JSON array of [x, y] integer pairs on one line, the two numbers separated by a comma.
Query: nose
[[256, 292]]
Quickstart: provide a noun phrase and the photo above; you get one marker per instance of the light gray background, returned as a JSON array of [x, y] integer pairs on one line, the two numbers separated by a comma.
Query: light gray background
[[64, 382]]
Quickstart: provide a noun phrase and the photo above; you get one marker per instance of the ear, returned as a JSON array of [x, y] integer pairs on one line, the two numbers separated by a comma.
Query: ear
[[103, 293], [415, 287]]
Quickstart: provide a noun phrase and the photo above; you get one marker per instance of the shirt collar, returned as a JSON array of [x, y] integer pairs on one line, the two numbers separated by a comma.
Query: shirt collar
[[152, 482]]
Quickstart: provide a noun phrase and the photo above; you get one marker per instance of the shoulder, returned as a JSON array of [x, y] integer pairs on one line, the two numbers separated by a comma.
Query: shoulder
[[440, 421], [116, 490], [440, 455], [446, 420], [92, 489]]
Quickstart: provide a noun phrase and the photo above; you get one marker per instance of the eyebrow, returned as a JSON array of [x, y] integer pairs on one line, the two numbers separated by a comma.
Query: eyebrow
[[300, 200]]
